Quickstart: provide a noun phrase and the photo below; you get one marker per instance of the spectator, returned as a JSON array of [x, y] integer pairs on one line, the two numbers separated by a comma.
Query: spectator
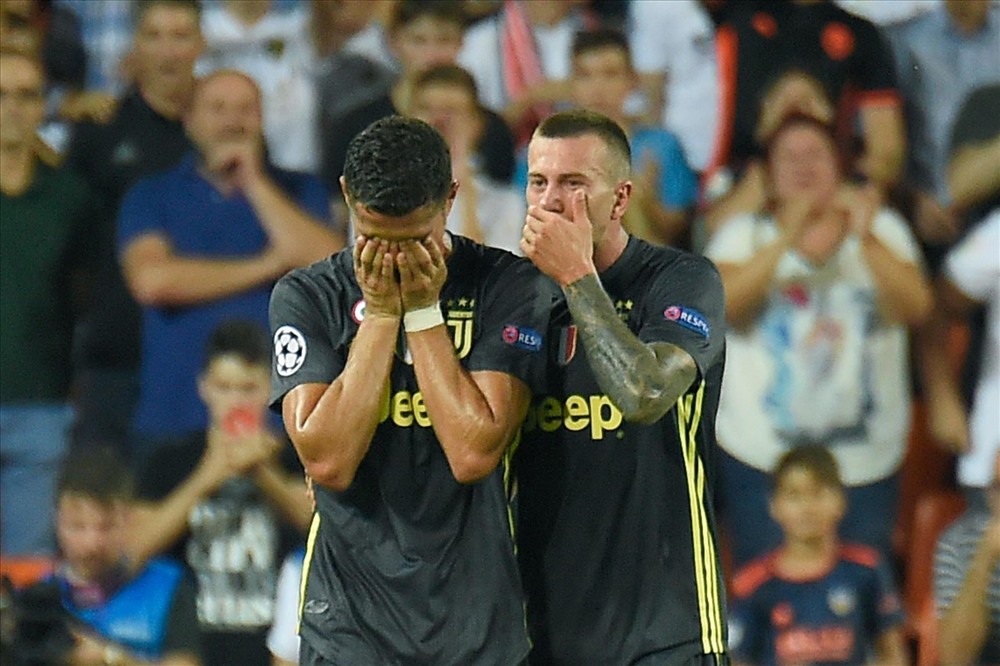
[[532, 40], [967, 581], [204, 241], [134, 612], [970, 278], [941, 57], [345, 74], [486, 211], [422, 34], [144, 136], [107, 27], [664, 187], [794, 92], [269, 42], [974, 161], [758, 42], [815, 599], [48, 257], [229, 501], [673, 44], [819, 292]]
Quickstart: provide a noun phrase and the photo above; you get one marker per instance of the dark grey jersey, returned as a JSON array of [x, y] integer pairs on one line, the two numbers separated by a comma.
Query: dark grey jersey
[[616, 534], [407, 566]]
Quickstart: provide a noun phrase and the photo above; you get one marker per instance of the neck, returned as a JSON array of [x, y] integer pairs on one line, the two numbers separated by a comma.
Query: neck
[[610, 248], [543, 13], [17, 166], [807, 557], [168, 99]]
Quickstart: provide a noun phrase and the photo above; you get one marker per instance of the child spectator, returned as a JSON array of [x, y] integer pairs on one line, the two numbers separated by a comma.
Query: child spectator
[[230, 501], [815, 599]]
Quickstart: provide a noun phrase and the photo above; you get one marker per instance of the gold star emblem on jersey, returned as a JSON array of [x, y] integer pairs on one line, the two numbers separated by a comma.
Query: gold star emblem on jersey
[[623, 308]]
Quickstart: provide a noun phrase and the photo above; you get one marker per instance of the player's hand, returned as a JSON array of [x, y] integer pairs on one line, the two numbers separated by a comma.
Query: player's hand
[[375, 271], [423, 270], [561, 247], [859, 206]]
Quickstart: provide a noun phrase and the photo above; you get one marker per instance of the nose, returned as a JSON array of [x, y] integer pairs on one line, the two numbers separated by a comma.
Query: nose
[[551, 199]]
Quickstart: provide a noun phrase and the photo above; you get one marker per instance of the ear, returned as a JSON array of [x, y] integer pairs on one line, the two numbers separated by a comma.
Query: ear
[[450, 201], [623, 193]]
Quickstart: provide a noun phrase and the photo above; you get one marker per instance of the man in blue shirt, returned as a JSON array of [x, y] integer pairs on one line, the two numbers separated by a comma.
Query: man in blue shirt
[[204, 242]]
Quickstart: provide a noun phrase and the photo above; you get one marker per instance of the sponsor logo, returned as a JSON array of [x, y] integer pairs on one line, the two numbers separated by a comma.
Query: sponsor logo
[[841, 600], [595, 413], [522, 338], [289, 350], [689, 318]]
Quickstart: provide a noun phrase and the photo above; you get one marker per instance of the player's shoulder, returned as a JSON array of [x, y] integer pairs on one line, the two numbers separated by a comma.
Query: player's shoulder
[[751, 577], [330, 276], [673, 262]]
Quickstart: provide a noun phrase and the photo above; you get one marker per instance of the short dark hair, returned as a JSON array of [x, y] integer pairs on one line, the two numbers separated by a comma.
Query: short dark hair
[[244, 339], [408, 11], [579, 122], [397, 165], [96, 472], [814, 458], [451, 75], [143, 6], [601, 38]]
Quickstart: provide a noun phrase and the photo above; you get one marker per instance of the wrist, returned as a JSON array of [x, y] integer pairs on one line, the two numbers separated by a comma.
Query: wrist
[[424, 318]]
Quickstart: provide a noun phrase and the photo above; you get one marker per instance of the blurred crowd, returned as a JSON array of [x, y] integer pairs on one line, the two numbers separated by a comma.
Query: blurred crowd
[[163, 162]]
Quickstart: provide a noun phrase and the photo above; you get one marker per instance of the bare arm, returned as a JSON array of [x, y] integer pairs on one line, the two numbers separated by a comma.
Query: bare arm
[[964, 625], [748, 196], [285, 491], [974, 174], [885, 143], [332, 425], [299, 237], [946, 414], [890, 648], [747, 284], [476, 415], [157, 276], [644, 381], [158, 525], [903, 292]]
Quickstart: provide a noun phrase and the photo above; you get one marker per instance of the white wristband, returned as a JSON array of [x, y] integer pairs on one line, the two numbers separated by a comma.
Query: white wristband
[[423, 319]]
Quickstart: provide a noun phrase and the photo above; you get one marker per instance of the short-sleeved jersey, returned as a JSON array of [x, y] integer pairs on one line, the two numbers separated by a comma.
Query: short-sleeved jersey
[[615, 524], [407, 565], [830, 619]]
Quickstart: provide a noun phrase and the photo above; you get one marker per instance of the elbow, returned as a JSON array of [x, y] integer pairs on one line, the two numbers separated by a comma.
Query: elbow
[[472, 467], [329, 474]]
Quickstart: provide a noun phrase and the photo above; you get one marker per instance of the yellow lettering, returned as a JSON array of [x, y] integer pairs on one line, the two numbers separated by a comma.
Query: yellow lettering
[[383, 409], [420, 410], [598, 423], [402, 409], [577, 414], [549, 415]]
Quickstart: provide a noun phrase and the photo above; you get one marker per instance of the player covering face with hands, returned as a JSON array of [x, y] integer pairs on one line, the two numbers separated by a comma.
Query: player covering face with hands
[[403, 369]]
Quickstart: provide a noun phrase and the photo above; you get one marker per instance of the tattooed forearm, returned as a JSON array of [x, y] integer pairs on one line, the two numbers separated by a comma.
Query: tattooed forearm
[[643, 381]]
